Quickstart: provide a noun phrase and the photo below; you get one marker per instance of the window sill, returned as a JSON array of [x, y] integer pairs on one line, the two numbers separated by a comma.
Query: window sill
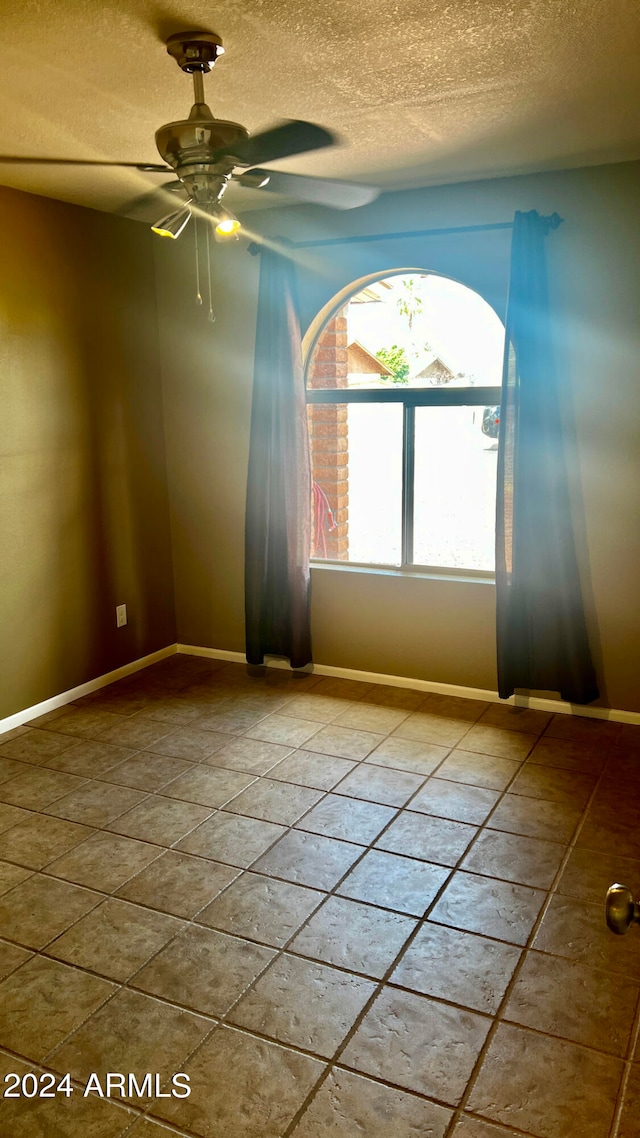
[[466, 576]]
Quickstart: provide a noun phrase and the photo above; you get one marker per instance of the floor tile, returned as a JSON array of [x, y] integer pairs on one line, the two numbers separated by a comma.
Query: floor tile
[[305, 1004], [321, 772], [133, 1032], [495, 909], [350, 935], [36, 745], [274, 801], [261, 908], [209, 786], [339, 688], [231, 720], [40, 908], [136, 733], [309, 859], [11, 875], [433, 839], [568, 756], [458, 967], [386, 696], [204, 969], [257, 1089], [571, 1000], [453, 707], [178, 883], [348, 1104], [232, 839], [60, 1116], [392, 882], [369, 717], [567, 787], [486, 771], [89, 759], [347, 818], [581, 729], [512, 857], [40, 839], [43, 1001], [10, 816], [408, 755], [536, 818], [147, 771], [438, 729], [84, 722], [115, 939], [470, 1127], [495, 741], [511, 718], [12, 957], [577, 930], [631, 1106], [455, 800], [9, 768], [380, 784], [286, 729], [546, 1086], [190, 743], [417, 1043], [104, 861], [317, 708], [344, 742], [601, 835], [160, 820], [249, 755], [588, 876], [95, 803], [37, 787]]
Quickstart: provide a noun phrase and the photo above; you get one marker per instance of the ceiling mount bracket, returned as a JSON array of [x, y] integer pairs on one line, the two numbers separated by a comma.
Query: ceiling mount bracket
[[195, 51]]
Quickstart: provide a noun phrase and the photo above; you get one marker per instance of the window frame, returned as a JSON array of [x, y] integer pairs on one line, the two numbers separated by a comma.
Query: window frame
[[410, 399]]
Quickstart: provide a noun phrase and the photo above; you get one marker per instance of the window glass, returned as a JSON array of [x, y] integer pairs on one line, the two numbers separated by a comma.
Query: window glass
[[356, 458], [454, 489]]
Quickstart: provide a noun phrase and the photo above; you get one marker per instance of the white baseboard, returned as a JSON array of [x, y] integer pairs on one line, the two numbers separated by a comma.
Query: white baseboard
[[558, 706], [56, 701], [539, 703]]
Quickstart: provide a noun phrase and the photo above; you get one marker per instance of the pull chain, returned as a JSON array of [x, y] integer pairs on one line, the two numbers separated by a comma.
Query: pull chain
[[211, 316], [198, 293]]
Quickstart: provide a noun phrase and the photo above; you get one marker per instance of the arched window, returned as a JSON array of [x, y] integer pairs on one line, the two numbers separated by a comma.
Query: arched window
[[403, 382]]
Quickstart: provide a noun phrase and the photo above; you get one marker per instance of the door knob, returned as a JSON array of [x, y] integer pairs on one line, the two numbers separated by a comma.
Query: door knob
[[621, 909]]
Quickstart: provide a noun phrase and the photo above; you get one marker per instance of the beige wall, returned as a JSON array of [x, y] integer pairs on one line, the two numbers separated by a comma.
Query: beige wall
[[83, 497], [425, 628]]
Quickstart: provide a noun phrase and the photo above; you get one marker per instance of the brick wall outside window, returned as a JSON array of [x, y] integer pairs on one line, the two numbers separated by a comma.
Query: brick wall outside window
[[329, 437]]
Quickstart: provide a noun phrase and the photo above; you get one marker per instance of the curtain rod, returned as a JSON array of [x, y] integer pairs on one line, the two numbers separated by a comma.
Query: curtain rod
[[553, 221]]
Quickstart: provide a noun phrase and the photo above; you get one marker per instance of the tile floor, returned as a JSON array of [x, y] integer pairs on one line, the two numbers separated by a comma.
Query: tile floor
[[339, 908]]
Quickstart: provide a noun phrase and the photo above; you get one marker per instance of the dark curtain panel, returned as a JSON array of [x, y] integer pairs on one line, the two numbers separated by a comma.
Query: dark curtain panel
[[278, 517], [541, 631]]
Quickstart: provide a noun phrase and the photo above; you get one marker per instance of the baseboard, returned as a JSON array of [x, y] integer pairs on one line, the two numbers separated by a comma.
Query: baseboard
[[539, 703], [56, 701], [616, 715]]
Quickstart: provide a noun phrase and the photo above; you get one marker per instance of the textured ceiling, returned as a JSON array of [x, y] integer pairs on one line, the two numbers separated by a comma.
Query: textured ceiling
[[420, 93]]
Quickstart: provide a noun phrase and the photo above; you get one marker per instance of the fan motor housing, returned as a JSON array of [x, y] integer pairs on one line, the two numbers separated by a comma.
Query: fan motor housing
[[197, 139]]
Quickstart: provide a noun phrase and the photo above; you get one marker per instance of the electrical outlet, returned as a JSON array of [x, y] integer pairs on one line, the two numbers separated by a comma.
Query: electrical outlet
[[121, 616]]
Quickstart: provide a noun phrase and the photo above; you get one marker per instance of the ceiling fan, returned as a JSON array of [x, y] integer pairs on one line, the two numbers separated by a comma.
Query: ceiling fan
[[205, 153]]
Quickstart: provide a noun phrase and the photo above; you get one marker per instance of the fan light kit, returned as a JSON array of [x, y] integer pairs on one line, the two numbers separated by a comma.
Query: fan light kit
[[205, 153]]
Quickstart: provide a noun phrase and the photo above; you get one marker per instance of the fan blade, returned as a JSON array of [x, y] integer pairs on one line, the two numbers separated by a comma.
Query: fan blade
[[292, 137], [149, 167], [322, 191]]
